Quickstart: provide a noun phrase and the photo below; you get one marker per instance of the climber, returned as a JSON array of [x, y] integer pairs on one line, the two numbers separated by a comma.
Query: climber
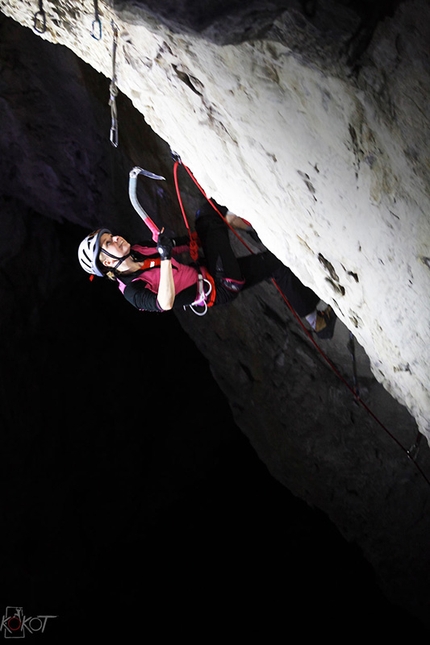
[[153, 278]]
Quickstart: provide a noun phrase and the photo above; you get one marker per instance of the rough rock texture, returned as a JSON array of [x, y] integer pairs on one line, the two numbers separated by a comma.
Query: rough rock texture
[[302, 421], [328, 160]]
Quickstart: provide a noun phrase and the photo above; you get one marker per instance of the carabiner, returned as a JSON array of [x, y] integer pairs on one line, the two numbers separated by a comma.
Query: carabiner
[[113, 136], [96, 27], [96, 24], [42, 16]]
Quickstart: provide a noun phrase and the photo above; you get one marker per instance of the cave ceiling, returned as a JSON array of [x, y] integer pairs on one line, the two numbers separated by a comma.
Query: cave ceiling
[[347, 206]]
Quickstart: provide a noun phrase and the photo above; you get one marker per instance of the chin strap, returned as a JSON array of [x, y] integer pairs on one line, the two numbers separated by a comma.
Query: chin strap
[[115, 257]]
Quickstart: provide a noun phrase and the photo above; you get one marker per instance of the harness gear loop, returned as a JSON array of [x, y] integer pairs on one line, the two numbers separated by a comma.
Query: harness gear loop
[[206, 297], [113, 90], [132, 192], [40, 16], [96, 27]]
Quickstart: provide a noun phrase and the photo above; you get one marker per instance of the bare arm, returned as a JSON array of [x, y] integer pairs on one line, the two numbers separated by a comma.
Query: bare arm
[[166, 289]]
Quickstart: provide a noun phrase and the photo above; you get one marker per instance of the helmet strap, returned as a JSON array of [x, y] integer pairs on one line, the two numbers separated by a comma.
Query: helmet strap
[[115, 257]]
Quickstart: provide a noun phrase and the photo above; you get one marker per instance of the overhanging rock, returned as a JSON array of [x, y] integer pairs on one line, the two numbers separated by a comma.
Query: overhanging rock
[[304, 426], [331, 167]]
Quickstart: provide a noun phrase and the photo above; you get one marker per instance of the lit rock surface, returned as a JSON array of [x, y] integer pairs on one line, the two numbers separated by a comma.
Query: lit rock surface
[[330, 167]]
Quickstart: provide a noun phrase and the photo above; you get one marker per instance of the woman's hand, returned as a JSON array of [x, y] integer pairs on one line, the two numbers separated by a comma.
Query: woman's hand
[[166, 289], [164, 245]]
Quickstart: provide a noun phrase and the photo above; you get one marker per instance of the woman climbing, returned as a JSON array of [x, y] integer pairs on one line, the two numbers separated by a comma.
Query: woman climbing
[[153, 278]]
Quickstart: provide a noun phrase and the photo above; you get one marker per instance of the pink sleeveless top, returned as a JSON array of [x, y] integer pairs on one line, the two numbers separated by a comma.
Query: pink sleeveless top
[[183, 275]]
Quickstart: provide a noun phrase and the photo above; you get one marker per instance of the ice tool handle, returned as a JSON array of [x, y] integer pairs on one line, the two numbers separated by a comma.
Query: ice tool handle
[[132, 191]]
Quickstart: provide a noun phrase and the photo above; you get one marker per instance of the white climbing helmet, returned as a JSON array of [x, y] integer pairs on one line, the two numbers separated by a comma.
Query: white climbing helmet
[[89, 250]]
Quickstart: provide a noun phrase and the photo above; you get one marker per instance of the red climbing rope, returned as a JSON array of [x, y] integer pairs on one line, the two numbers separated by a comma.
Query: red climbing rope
[[345, 382], [335, 370], [211, 202], [194, 247]]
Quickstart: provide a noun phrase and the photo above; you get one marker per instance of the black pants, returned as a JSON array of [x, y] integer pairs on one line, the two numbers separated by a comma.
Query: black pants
[[232, 274]]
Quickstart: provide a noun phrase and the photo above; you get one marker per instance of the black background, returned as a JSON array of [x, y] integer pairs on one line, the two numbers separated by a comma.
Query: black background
[[135, 508]]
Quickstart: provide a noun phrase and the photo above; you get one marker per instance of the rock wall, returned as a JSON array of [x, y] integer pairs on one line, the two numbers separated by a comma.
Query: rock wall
[[57, 161], [307, 126]]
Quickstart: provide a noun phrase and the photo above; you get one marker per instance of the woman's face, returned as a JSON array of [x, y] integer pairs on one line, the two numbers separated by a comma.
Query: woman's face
[[115, 245]]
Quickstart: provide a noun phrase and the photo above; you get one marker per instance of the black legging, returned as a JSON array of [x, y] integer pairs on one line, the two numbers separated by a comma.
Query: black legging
[[224, 266]]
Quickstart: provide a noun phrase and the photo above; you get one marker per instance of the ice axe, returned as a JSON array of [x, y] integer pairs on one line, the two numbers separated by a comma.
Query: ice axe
[[132, 191]]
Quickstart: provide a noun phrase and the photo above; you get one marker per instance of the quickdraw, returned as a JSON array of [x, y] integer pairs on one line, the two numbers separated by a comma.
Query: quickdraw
[[40, 18], [114, 90], [96, 27]]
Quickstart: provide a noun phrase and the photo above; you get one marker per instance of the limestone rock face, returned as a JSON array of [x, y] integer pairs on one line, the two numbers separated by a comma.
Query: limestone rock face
[[323, 145], [306, 125]]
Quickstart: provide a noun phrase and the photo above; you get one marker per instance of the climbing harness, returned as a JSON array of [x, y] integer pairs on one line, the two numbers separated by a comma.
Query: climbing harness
[[96, 26], [113, 90], [40, 19]]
